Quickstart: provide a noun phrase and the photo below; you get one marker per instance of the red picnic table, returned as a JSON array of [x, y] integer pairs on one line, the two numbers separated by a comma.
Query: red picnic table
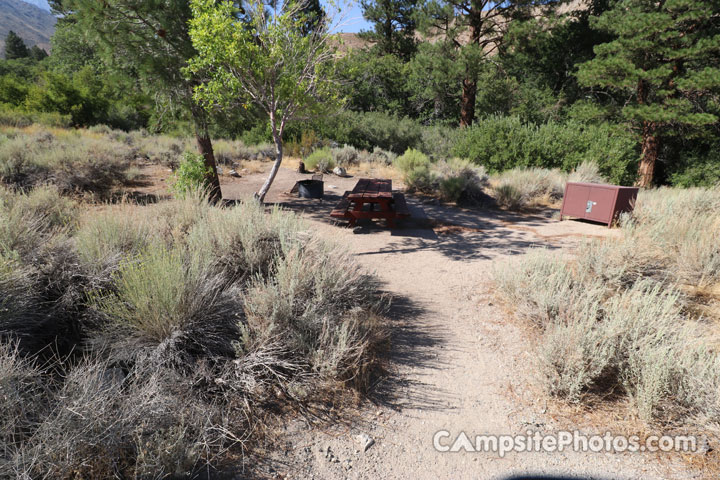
[[381, 202]]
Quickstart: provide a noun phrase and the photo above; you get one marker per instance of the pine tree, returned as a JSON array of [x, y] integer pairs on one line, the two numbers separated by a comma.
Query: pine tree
[[15, 47], [38, 53], [663, 64], [473, 30], [151, 38], [393, 25]]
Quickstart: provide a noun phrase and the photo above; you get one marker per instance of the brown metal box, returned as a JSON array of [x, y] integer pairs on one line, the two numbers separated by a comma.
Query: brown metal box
[[597, 202]]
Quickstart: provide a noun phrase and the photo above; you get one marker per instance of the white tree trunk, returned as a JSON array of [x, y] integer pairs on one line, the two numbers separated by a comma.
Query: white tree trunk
[[260, 195]]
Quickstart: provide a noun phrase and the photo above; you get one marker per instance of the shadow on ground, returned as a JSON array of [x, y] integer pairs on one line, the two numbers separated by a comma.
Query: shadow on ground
[[413, 344], [457, 233]]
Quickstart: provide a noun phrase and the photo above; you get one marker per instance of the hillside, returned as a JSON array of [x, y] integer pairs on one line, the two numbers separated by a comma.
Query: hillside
[[33, 24]]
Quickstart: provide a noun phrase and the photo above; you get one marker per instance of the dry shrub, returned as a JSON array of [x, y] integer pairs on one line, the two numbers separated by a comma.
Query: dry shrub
[[72, 163], [613, 320], [314, 308], [529, 187], [162, 329]]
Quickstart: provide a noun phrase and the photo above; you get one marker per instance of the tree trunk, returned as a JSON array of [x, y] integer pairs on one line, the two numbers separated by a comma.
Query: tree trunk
[[469, 83], [206, 150], [650, 150], [467, 105], [277, 138], [650, 147], [204, 144]]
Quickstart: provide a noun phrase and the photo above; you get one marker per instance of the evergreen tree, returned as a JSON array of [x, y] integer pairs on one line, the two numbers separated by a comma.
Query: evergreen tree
[[151, 39], [473, 30], [663, 63], [15, 47], [38, 53], [393, 25]]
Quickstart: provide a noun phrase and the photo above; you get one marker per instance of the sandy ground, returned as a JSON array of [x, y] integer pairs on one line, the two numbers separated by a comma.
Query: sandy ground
[[457, 361]]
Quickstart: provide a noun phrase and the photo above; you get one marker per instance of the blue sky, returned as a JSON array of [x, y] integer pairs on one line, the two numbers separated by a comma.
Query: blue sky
[[354, 22], [353, 16]]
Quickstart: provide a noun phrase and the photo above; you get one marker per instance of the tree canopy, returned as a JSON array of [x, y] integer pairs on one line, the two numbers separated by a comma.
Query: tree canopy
[[269, 60], [15, 47], [663, 64]]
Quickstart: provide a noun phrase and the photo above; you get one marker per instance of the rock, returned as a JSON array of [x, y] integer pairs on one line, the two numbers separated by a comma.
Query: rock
[[365, 441], [340, 171], [233, 173], [219, 170]]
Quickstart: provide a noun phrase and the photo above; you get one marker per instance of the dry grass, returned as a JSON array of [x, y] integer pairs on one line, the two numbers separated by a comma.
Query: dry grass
[[521, 188], [628, 318], [71, 162]]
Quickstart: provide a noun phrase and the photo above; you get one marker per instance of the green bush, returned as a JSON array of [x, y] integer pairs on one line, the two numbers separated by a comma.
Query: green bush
[[320, 160], [411, 160], [345, 155], [372, 129], [460, 180], [698, 170], [12, 117], [526, 187], [504, 143], [191, 175]]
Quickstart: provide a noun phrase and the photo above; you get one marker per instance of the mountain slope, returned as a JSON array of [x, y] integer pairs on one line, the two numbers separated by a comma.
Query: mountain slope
[[33, 24], [39, 3]]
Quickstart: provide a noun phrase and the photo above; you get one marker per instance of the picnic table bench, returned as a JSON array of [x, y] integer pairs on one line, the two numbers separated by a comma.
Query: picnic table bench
[[377, 194]]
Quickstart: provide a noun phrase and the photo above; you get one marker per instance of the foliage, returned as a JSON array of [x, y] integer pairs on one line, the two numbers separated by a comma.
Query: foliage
[[411, 160], [372, 129], [270, 60], [172, 324], [520, 188], [15, 47], [469, 31], [393, 22], [665, 74], [502, 143], [374, 82], [321, 160], [345, 155], [72, 162], [460, 180], [152, 39], [698, 169], [191, 175], [615, 321]]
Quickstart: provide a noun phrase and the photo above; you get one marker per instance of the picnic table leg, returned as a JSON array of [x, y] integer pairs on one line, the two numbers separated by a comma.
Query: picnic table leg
[[385, 207], [357, 206]]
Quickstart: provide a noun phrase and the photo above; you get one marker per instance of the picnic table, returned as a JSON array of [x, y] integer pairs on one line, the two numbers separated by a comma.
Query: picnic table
[[372, 198]]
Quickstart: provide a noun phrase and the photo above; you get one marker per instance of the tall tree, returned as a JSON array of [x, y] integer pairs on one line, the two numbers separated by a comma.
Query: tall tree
[[15, 47], [664, 66], [151, 38], [38, 53], [474, 30], [269, 60], [393, 25]]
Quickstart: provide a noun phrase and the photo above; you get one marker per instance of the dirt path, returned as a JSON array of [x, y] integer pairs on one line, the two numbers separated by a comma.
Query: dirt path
[[457, 363]]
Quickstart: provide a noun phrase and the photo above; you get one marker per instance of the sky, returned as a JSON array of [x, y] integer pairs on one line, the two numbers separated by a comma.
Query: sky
[[353, 21]]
